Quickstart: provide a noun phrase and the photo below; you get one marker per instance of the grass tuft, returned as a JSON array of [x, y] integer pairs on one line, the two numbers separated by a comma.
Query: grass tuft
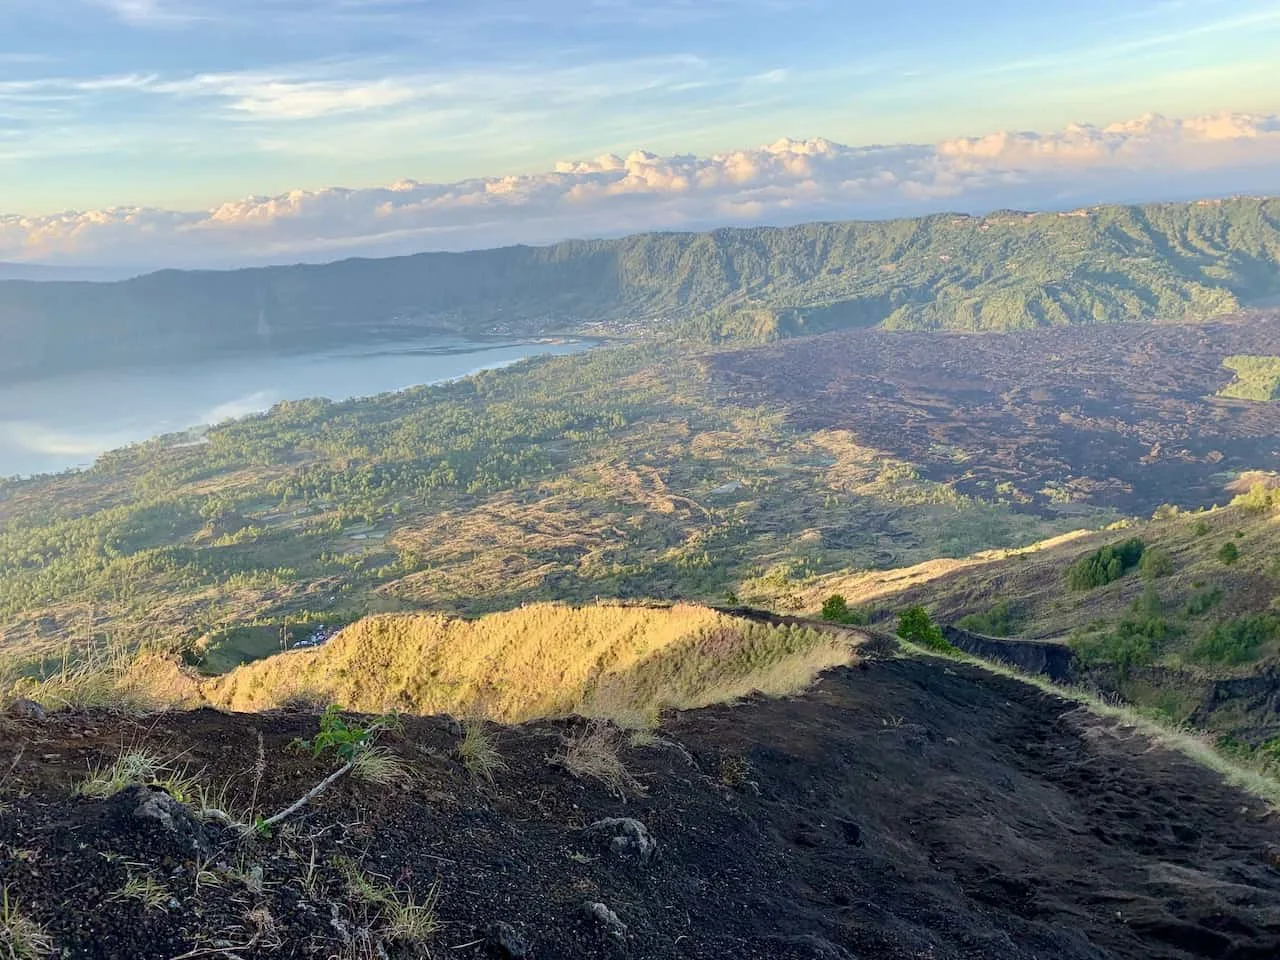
[[140, 768], [21, 938], [593, 753], [378, 765], [408, 921], [403, 918], [478, 750], [145, 889]]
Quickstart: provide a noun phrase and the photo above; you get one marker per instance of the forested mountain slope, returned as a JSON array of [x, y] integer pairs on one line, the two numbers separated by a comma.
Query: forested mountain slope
[[1007, 270]]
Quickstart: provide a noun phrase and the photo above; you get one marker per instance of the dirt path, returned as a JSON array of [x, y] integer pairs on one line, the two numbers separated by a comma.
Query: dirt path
[[906, 809]]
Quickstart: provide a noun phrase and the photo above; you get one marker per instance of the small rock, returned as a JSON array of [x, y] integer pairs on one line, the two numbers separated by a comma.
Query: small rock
[[503, 941], [155, 805], [600, 914], [627, 836], [26, 710]]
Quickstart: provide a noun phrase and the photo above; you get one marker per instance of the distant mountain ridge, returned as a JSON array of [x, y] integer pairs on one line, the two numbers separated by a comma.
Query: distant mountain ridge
[[53, 272], [1007, 270]]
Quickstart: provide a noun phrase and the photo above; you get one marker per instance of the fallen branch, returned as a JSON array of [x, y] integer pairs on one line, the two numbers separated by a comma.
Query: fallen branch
[[307, 797]]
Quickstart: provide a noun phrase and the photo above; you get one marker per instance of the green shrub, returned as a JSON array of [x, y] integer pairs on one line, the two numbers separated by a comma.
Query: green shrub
[[1229, 553], [1202, 603], [1200, 527], [1134, 642], [1105, 564], [1268, 754], [916, 626], [1002, 620], [1237, 641], [1156, 563], [837, 610]]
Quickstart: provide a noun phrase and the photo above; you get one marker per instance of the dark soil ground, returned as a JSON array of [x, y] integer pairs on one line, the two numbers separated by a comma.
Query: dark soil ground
[[1123, 416], [903, 809]]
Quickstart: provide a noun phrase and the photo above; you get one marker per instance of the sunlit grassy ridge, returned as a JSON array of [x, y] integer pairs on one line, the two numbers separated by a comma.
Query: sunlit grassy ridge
[[541, 660]]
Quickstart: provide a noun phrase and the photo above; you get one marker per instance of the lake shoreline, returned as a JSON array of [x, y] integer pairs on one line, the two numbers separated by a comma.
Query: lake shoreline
[[66, 421]]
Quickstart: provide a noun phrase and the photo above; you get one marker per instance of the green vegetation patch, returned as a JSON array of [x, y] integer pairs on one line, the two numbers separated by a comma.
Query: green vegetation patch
[[1002, 620], [1257, 378], [916, 626], [1106, 564], [1201, 603], [836, 609], [1237, 641]]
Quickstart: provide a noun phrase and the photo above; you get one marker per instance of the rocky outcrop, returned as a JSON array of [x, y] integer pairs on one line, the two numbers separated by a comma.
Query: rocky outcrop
[[1256, 697]]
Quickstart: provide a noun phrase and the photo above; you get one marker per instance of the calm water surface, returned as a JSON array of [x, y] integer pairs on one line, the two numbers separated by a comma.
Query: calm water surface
[[66, 421]]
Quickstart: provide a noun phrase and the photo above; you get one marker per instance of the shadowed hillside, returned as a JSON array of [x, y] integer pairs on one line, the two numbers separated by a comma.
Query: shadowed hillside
[[1004, 271]]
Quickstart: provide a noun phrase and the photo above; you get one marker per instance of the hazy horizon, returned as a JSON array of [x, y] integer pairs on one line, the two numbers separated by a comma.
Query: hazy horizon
[[152, 133]]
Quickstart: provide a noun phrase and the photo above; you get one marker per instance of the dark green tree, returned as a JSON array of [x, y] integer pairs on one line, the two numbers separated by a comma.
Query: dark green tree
[[916, 626], [835, 608]]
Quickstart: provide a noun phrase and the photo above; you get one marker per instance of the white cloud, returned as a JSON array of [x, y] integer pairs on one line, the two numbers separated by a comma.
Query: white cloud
[[788, 180]]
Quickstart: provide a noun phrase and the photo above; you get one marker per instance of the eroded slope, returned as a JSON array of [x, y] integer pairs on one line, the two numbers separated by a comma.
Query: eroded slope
[[904, 810]]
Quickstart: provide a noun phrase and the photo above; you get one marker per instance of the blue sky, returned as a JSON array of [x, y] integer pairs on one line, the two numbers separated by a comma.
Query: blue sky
[[186, 103]]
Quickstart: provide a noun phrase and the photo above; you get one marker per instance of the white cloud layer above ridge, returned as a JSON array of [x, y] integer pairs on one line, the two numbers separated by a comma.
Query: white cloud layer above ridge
[[788, 181]]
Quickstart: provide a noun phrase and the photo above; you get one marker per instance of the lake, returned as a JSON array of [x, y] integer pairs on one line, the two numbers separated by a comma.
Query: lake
[[66, 421]]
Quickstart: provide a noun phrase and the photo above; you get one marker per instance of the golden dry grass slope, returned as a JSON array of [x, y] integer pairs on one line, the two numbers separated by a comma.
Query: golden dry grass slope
[[541, 660]]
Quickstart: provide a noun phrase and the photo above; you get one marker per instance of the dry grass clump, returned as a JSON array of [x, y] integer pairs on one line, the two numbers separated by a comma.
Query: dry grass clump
[[110, 676], [735, 771], [478, 750], [379, 766], [394, 917], [21, 938], [146, 890], [136, 767], [594, 754]]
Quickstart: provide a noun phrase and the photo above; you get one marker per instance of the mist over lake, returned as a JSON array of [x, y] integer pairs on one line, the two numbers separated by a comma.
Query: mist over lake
[[65, 421]]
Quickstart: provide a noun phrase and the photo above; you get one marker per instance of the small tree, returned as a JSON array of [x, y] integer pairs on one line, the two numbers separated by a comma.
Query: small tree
[[835, 608], [915, 626], [1229, 553]]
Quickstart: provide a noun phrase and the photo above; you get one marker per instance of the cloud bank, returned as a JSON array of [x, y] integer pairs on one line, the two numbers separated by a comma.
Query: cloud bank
[[787, 181]]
